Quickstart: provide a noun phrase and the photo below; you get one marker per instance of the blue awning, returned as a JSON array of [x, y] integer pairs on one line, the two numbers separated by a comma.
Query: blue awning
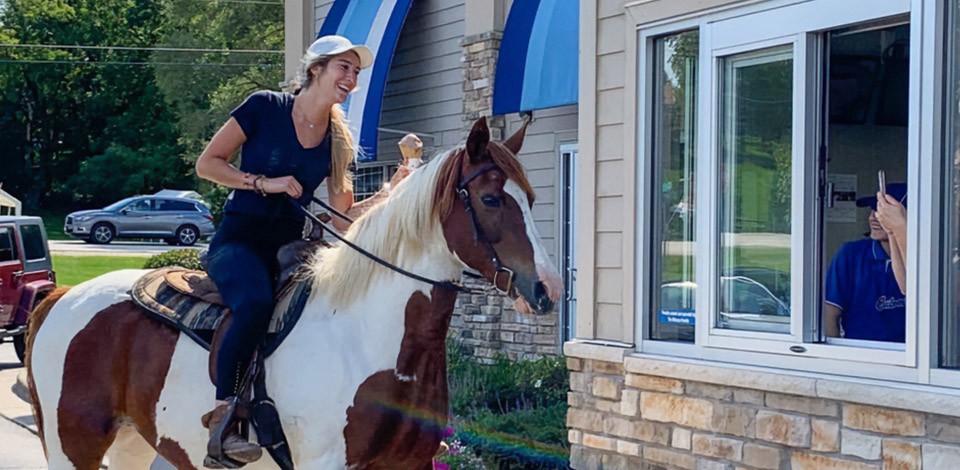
[[376, 24], [539, 56]]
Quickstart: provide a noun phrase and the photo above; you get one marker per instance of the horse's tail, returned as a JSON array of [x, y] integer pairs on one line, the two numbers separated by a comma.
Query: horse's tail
[[37, 317]]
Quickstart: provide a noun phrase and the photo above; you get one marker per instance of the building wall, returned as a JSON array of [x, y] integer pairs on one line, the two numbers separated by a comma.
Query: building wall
[[640, 411], [632, 413]]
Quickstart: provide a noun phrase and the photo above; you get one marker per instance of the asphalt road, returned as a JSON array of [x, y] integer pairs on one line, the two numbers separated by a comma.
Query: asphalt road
[[20, 447], [116, 248]]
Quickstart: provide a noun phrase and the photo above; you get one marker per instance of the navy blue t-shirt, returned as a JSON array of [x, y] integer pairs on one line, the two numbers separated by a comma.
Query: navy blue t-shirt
[[272, 149], [860, 282]]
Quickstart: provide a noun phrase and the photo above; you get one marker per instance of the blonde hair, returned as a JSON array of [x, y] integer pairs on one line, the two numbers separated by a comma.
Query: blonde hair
[[343, 147]]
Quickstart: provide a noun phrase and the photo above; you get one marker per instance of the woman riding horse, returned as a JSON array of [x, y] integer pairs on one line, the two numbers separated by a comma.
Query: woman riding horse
[[290, 144], [360, 383]]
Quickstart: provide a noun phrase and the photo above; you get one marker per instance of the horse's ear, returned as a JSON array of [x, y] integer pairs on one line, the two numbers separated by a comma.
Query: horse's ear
[[516, 140], [477, 140]]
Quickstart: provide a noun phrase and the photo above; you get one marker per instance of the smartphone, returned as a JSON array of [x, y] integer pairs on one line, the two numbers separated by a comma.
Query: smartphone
[[882, 178]]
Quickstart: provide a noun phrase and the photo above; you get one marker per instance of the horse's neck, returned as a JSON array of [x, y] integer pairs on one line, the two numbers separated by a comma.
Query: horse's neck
[[421, 365]]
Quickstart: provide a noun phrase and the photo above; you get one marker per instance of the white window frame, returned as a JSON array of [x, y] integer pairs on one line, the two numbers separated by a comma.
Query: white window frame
[[568, 205], [727, 30], [386, 169]]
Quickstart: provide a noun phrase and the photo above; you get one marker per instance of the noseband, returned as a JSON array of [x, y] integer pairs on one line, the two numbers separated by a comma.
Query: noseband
[[478, 234]]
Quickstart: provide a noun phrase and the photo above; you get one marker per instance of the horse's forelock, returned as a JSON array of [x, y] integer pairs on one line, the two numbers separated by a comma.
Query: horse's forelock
[[452, 167]]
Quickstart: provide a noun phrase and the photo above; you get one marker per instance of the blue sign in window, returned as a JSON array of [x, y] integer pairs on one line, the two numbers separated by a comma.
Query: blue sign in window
[[678, 317]]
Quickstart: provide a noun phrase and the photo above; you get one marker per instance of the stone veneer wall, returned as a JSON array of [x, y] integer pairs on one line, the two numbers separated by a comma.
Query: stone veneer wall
[[478, 64], [621, 420], [486, 326]]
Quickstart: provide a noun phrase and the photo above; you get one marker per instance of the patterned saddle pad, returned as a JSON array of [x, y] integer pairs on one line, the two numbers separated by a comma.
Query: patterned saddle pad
[[188, 301]]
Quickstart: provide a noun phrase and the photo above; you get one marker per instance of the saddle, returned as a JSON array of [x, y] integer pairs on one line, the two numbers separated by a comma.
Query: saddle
[[189, 301]]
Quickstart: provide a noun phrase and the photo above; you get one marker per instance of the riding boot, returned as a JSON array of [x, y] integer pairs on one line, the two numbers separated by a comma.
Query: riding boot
[[234, 446]]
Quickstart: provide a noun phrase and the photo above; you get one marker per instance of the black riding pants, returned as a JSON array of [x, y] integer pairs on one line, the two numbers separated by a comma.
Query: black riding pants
[[242, 263]]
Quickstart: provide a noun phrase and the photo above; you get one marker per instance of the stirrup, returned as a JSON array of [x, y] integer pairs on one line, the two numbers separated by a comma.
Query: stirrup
[[216, 458], [227, 462]]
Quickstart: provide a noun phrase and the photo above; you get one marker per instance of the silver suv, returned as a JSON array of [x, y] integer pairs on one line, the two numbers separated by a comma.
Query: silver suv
[[179, 221]]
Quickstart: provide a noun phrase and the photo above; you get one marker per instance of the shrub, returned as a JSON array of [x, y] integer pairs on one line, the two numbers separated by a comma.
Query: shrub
[[513, 413], [186, 258], [504, 386]]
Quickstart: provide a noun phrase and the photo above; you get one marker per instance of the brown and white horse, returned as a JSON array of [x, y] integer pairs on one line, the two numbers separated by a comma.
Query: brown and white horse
[[359, 383]]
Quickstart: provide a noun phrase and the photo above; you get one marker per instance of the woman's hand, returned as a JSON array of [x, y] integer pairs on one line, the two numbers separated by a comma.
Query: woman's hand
[[891, 214], [397, 177], [282, 184]]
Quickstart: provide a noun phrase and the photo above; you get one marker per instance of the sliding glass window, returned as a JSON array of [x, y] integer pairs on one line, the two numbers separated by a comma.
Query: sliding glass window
[[755, 190]]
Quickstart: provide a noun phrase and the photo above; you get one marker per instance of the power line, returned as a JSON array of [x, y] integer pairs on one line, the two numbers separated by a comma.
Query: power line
[[133, 48], [85, 62], [249, 2]]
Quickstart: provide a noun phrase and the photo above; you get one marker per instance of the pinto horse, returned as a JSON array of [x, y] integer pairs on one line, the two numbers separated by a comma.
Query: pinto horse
[[360, 383]]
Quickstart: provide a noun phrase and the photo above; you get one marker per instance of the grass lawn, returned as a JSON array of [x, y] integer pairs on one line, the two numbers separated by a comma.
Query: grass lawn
[[72, 270]]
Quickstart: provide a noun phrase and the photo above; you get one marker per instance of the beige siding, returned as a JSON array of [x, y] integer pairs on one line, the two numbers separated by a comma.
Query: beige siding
[[612, 321]]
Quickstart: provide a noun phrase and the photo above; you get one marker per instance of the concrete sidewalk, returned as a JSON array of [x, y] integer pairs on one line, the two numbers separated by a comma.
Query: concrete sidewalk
[[18, 432]]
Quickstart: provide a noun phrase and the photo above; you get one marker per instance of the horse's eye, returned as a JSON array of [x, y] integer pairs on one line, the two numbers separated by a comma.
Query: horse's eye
[[490, 201]]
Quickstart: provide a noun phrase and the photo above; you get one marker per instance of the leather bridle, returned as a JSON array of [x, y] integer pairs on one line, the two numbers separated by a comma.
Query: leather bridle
[[478, 235]]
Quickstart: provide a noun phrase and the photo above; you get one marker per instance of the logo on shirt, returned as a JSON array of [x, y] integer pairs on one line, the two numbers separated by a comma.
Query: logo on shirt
[[890, 303]]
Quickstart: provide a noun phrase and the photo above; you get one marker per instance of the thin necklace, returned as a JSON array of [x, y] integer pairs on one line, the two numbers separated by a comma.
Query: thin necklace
[[304, 117]]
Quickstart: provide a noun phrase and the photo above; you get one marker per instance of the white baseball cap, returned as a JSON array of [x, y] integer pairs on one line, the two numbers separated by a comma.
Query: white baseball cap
[[335, 45]]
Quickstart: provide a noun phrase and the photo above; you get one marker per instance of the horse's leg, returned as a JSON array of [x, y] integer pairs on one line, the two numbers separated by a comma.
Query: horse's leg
[[130, 451]]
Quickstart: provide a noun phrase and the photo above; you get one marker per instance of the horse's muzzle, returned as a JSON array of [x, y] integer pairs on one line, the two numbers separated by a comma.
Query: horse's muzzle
[[543, 302]]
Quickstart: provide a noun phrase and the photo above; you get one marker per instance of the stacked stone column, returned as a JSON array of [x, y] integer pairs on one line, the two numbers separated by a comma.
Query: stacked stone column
[[479, 63]]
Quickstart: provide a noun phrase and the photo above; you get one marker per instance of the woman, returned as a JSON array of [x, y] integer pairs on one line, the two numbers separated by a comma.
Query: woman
[[290, 144]]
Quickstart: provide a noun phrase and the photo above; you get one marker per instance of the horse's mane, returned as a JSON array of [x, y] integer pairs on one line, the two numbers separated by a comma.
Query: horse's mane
[[409, 219]]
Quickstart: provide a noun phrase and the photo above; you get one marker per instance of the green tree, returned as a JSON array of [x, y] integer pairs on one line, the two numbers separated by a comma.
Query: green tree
[[71, 105], [87, 126]]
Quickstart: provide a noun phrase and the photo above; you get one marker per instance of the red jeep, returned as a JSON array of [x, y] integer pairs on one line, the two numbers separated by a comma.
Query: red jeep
[[26, 275]]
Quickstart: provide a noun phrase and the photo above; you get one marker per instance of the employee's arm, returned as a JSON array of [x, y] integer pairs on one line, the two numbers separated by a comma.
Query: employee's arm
[[831, 320], [893, 217]]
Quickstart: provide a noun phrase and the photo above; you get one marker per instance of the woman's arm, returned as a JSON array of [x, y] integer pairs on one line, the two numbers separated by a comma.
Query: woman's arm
[[214, 165], [343, 201], [899, 263]]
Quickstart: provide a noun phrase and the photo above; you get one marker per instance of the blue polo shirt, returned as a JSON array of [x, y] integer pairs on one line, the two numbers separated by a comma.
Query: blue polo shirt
[[860, 282], [272, 149]]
